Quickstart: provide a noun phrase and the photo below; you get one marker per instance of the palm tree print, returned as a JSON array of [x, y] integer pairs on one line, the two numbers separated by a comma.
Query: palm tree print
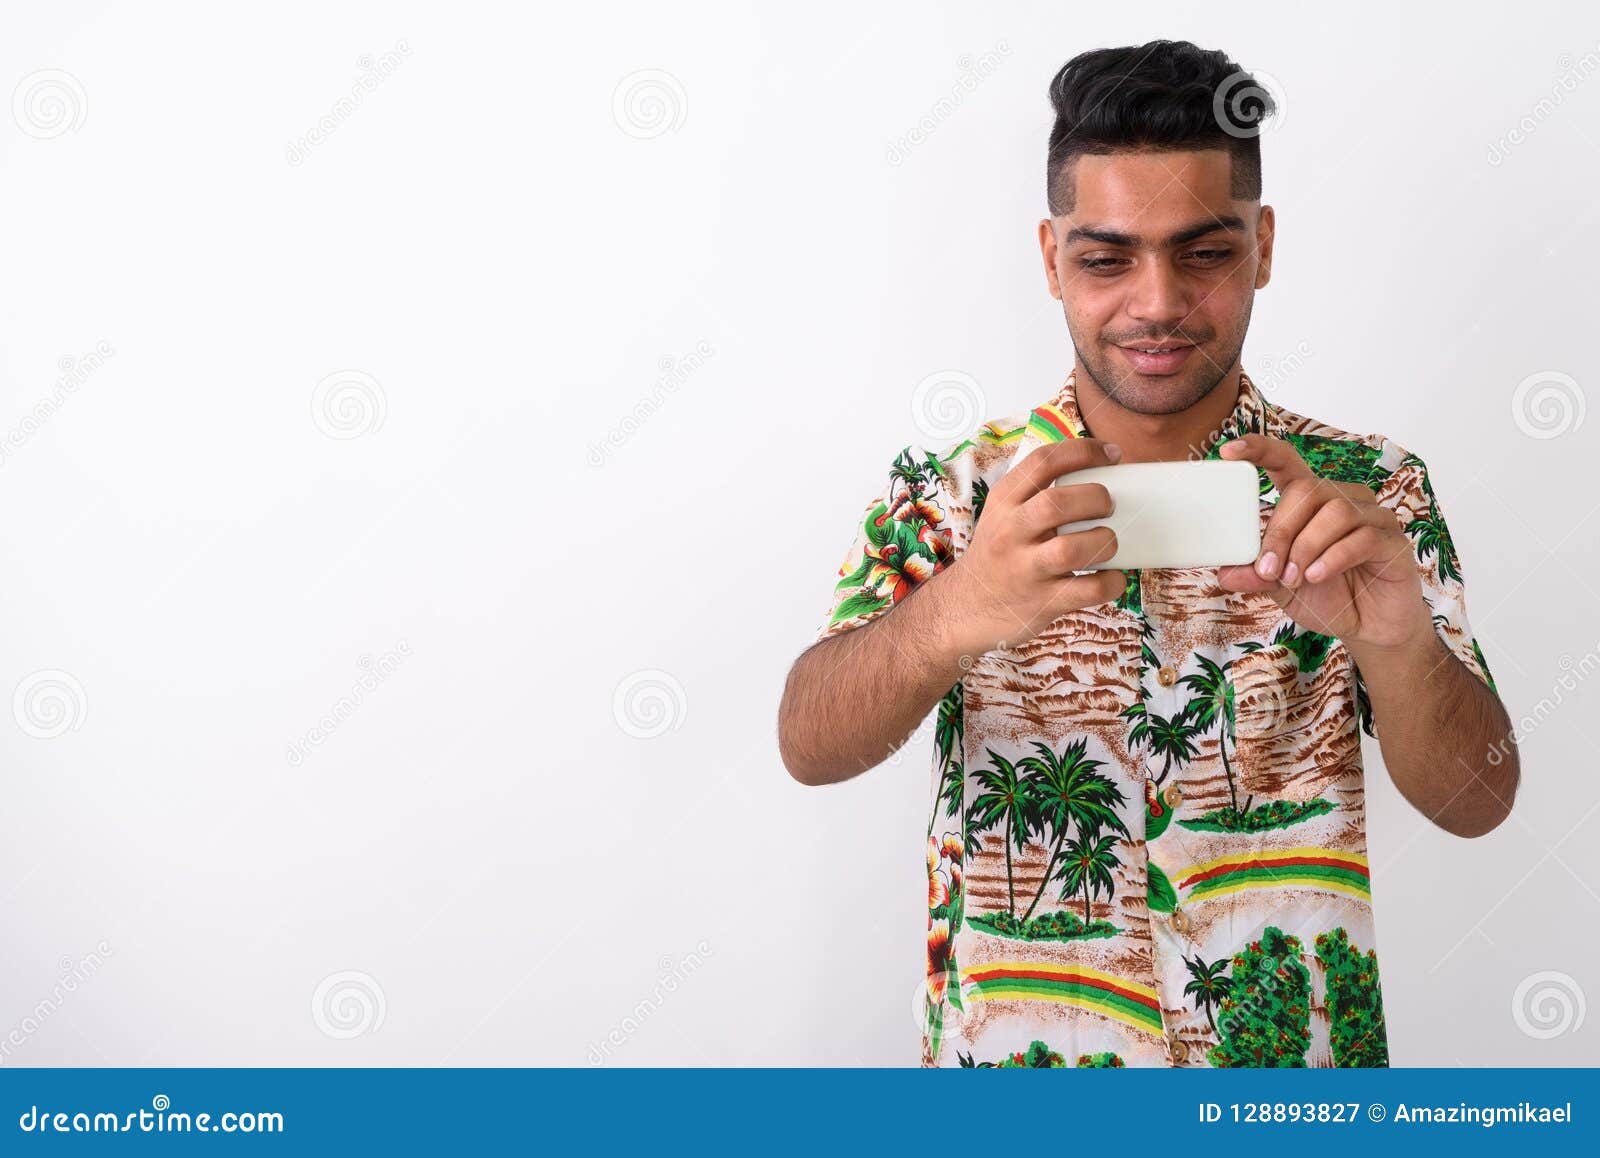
[[1213, 706], [1007, 799], [909, 481], [1087, 865], [1173, 740], [1207, 985], [1068, 790]]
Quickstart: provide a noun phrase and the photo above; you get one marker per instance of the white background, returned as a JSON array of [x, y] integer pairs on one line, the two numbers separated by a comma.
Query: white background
[[508, 253]]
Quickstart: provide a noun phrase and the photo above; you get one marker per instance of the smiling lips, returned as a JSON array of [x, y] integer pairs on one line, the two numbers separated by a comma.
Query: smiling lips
[[1159, 358]]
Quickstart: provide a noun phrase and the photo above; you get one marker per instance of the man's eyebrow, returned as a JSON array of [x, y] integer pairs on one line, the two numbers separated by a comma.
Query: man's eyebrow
[[1188, 233]]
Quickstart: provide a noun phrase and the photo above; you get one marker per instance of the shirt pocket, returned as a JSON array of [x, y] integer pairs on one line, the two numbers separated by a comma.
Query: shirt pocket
[[1295, 731]]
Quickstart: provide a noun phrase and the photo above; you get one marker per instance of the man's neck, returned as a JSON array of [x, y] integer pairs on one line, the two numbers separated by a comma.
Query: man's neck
[[1156, 437]]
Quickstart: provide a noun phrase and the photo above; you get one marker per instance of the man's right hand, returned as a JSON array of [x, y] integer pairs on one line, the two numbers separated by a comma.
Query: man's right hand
[[1016, 576]]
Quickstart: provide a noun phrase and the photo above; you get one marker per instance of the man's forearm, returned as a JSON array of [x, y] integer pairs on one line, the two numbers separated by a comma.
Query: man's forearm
[[850, 701], [1446, 738]]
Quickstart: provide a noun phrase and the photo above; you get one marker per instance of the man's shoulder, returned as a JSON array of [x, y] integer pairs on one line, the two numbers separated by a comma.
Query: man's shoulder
[[977, 457], [1375, 460]]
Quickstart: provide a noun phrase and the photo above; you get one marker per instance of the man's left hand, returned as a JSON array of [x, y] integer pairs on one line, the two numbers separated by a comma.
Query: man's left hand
[[1331, 556]]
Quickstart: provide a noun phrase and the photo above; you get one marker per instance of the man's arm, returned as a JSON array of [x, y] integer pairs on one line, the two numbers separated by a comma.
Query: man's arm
[[1446, 738], [1340, 563], [852, 700]]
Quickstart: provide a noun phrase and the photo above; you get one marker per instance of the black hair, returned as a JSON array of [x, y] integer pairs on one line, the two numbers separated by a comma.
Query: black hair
[[1166, 95]]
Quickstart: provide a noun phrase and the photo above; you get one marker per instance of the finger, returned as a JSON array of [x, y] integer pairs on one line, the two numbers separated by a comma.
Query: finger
[[1057, 505], [1245, 577], [1094, 588], [1366, 544], [1298, 503], [1273, 455], [1078, 551], [1334, 519], [1041, 468]]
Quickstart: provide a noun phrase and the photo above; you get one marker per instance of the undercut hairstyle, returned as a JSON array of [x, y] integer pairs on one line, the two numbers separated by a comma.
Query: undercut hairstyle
[[1164, 96]]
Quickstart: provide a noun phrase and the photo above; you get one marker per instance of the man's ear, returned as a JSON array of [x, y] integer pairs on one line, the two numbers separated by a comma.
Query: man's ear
[[1047, 247], [1266, 230]]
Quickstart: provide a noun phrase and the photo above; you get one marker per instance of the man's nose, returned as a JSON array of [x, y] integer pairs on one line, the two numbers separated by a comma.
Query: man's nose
[[1157, 295]]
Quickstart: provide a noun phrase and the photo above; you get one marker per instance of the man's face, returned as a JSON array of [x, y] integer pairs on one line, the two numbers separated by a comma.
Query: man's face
[[1156, 254]]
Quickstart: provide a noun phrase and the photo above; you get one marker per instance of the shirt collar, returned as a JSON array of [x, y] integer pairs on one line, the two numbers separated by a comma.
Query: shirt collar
[[1059, 418]]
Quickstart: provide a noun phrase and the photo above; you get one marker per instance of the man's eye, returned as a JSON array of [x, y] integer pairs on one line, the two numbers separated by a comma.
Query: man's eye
[[1099, 263], [1211, 254]]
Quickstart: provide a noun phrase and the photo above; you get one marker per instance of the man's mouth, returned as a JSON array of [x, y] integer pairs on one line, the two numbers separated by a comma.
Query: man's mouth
[[1157, 357]]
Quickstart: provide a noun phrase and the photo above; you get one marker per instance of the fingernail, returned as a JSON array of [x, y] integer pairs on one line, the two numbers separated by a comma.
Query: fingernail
[[1267, 565], [1291, 574], [1315, 571], [1113, 451]]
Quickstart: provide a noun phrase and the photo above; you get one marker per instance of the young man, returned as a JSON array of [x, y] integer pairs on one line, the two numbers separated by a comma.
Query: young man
[[1147, 843]]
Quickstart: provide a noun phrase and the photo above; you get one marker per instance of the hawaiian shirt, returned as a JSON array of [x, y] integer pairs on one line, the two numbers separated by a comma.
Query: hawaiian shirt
[[1146, 832]]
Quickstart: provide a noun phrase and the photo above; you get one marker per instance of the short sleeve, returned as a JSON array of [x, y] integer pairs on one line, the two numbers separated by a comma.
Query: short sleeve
[[1409, 492], [902, 539]]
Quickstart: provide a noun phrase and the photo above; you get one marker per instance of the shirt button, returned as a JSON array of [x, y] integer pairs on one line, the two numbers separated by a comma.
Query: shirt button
[[1180, 1050], [1174, 796], [1180, 921], [1166, 677]]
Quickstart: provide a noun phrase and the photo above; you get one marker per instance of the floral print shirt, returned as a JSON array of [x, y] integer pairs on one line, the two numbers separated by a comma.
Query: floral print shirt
[[1146, 832]]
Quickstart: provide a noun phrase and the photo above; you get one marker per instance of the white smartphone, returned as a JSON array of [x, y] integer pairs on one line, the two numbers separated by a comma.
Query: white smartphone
[[1176, 514]]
